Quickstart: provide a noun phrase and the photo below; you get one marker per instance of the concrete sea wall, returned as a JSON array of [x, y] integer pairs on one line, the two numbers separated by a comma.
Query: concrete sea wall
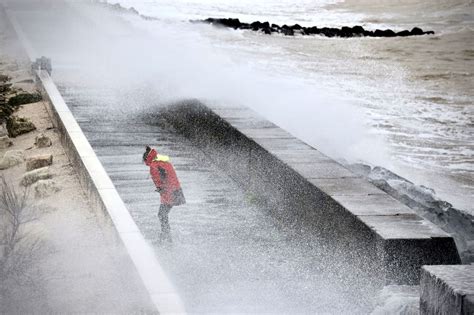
[[447, 290], [381, 236]]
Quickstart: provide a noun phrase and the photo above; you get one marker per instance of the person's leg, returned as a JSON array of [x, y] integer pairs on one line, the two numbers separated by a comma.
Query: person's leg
[[163, 216]]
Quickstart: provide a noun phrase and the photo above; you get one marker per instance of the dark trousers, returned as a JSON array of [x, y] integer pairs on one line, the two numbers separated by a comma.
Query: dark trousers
[[163, 216]]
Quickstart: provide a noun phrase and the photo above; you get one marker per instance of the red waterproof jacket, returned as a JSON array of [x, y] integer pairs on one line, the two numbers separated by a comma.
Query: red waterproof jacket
[[165, 179]]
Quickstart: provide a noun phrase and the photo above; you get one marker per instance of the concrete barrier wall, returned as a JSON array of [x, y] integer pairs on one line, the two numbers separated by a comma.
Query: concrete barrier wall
[[447, 290], [307, 189], [101, 191]]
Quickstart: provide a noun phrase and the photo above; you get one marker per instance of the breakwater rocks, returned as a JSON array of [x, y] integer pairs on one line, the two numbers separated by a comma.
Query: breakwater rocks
[[345, 31]]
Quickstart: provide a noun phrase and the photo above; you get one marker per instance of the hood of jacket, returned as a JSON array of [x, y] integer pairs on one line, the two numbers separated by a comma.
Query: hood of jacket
[[153, 156]]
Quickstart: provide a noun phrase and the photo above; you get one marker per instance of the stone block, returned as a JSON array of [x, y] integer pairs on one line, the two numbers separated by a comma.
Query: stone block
[[447, 289], [11, 158], [39, 162], [19, 125], [345, 186], [329, 169], [42, 141], [375, 205], [32, 177], [307, 187]]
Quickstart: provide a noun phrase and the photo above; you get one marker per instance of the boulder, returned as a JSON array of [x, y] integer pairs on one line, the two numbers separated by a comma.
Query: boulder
[[312, 30], [359, 30], [288, 31], [416, 31], [11, 158], [330, 31], [24, 98], [42, 141], [18, 125], [267, 30], [45, 188], [256, 25], [5, 142], [32, 177], [346, 31], [404, 33], [39, 161]]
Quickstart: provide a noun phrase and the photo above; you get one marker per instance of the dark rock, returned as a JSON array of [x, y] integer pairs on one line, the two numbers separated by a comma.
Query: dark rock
[[330, 32], [429, 33], [296, 27], [256, 24], [346, 32], [416, 31], [267, 30], [234, 23], [24, 98], [404, 33], [5, 112], [312, 30], [17, 126], [384, 33], [378, 33], [389, 33], [288, 32], [358, 30]]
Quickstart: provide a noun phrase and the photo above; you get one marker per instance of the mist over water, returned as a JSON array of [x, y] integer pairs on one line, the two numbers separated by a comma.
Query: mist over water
[[407, 101]]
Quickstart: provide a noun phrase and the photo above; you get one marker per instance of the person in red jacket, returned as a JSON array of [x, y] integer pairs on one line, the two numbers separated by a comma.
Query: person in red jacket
[[167, 184]]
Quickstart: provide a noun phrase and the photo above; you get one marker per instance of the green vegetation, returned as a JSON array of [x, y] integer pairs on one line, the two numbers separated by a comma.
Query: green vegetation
[[24, 98]]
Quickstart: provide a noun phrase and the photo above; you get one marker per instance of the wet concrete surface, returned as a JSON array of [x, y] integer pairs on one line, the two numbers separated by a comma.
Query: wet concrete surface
[[228, 253]]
